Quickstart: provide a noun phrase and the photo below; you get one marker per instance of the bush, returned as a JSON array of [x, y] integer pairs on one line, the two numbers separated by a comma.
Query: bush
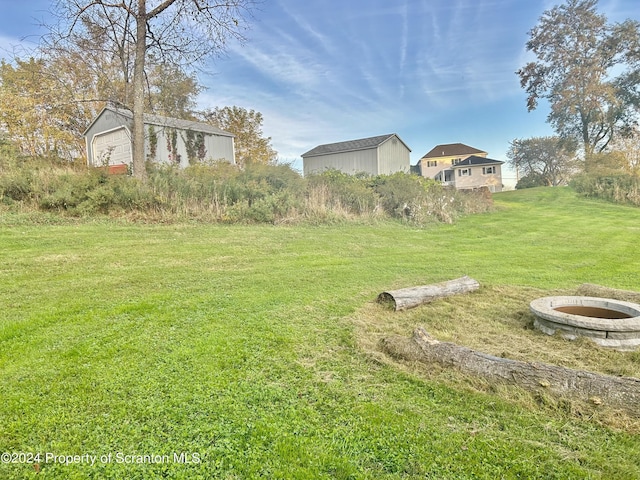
[[615, 188], [226, 193]]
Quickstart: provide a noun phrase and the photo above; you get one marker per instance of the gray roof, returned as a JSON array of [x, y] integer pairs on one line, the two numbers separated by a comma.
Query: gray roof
[[474, 160], [159, 120], [451, 149], [351, 145]]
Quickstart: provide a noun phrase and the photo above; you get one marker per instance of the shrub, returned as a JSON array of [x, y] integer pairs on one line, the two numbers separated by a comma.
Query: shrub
[[620, 188], [224, 192]]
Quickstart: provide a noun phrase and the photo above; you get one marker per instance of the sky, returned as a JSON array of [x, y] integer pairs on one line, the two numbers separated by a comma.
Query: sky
[[325, 71]]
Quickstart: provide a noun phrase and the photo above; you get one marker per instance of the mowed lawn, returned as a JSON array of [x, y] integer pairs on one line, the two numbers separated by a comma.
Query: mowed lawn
[[216, 351]]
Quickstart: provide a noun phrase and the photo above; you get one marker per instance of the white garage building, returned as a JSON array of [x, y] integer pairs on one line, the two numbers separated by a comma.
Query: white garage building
[[381, 155], [167, 140]]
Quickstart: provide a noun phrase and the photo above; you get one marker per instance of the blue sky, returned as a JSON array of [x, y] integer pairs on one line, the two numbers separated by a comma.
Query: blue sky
[[323, 71]]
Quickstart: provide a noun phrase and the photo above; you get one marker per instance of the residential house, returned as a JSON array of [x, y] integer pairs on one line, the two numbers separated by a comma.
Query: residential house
[[462, 166], [167, 140], [381, 155]]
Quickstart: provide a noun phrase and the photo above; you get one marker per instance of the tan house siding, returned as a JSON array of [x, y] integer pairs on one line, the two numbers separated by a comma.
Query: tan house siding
[[462, 166], [429, 170]]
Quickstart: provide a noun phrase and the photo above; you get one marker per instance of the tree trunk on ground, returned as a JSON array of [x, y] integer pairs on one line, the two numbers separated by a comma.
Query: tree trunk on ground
[[414, 296], [618, 392]]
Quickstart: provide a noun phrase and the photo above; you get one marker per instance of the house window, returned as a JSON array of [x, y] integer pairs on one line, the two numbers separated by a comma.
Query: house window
[[432, 163], [488, 170], [464, 172], [456, 161]]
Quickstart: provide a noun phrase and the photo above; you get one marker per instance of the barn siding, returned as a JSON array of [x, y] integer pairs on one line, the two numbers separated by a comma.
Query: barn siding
[[347, 162], [393, 156], [218, 147]]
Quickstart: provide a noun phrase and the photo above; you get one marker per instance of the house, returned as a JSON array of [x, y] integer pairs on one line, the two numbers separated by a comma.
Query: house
[[167, 140], [381, 155], [462, 166]]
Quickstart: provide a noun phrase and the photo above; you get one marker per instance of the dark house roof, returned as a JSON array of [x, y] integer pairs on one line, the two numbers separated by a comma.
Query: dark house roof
[[351, 145], [158, 120], [451, 149], [474, 160]]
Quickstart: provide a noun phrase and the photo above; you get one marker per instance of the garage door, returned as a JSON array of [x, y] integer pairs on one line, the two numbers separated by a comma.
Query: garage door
[[112, 148]]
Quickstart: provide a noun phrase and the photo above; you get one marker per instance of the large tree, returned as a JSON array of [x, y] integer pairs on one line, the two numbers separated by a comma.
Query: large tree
[[250, 144], [170, 32], [588, 71], [542, 161]]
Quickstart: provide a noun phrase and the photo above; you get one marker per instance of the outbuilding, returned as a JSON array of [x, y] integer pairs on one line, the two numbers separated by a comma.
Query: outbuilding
[[167, 140], [381, 155]]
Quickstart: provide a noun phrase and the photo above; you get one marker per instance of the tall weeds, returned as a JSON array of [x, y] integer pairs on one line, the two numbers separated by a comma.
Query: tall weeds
[[224, 193], [615, 188]]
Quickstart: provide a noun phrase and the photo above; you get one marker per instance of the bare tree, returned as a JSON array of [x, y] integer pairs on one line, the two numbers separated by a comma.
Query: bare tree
[[172, 32]]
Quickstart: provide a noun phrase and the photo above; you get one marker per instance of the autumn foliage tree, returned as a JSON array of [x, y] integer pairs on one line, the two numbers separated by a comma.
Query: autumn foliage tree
[[588, 71], [246, 125]]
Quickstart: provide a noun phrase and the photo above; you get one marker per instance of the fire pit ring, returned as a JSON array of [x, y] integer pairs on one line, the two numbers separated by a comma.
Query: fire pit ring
[[609, 323]]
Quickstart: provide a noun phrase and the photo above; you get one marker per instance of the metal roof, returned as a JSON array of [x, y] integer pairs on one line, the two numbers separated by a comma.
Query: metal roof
[[159, 120], [351, 145]]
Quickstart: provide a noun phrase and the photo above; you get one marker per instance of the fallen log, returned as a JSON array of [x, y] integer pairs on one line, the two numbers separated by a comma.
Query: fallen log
[[618, 392], [415, 296], [592, 290]]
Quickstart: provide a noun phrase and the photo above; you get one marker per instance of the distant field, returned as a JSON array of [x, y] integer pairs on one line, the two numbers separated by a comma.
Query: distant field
[[217, 351]]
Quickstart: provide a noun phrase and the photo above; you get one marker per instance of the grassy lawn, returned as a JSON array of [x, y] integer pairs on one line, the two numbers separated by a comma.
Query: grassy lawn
[[251, 349]]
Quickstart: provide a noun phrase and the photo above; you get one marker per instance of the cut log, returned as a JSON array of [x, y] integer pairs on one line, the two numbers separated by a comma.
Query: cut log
[[415, 296], [592, 290], [618, 392]]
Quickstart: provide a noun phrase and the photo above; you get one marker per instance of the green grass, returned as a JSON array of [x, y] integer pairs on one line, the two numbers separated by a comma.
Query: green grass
[[238, 343]]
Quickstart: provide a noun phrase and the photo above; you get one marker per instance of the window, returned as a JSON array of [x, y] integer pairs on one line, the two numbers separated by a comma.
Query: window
[[464, 172], [432, 163], [488, 170], [456, 161]]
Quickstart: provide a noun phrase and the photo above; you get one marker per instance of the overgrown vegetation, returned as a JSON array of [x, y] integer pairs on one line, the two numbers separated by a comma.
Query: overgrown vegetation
[[224, 193], [619, 188]]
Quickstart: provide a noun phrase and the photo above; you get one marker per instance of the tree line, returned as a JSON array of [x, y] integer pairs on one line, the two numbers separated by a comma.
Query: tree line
[[588, 70]]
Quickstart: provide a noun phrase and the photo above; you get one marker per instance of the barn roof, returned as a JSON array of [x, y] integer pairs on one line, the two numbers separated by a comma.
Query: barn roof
[[451, 149], [159, 120], [474, 160], [351, 145]]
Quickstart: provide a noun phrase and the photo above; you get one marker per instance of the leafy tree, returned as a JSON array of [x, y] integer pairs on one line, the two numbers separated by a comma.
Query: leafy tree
[[588, 70], [170, 32], [250, 144], [547, 161], [36, 115]]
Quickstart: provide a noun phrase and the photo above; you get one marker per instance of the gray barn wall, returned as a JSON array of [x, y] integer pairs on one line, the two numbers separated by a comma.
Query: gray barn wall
[[107, 121], [347, 162], [218, 147], [393, 156]]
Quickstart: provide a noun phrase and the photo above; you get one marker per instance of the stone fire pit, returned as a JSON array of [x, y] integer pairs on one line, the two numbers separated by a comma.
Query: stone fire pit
[[609, 323]]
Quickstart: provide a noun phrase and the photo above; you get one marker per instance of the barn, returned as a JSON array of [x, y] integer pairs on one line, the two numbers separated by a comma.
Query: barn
[[381, 155], [167, 140]]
